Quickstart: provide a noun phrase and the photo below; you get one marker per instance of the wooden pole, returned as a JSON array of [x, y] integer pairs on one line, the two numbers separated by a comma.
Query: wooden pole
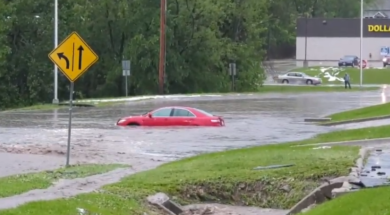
[[162, 48]]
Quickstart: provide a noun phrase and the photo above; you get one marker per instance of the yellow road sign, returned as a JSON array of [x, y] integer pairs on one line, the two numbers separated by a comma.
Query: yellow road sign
[[73, 56]]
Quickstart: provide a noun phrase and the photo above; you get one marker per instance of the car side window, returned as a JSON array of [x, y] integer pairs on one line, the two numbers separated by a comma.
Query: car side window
[[182, 113], [298, 75], [165, 112], [291, 74]]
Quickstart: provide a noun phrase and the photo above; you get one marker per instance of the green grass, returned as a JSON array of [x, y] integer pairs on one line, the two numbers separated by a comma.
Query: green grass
[[17, 184], [362, 113], [224, 177], [305, 89], [373, 201], [43, 107], [370, 76], [352, 134]]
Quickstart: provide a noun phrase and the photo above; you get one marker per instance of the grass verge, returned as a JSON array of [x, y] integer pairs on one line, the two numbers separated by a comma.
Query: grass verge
[[370, 76], [362, 113], [17, 184], [365, 202], [43, 107], [224, 177], [305, 89]]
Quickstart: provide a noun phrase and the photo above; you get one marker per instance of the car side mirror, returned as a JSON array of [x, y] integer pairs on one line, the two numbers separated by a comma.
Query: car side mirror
[[149, 115]]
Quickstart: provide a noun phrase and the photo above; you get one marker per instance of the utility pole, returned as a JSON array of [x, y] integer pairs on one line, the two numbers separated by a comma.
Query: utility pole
[[305, 64], [361, 43], [55, 99], [162, 47]]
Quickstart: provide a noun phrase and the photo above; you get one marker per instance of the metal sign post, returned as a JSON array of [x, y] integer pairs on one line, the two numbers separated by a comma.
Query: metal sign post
[[233, 73], [74, 57], [71, 89], [126, 72]]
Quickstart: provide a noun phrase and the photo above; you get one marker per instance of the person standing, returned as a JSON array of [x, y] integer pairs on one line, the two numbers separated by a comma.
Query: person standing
[[347, 81]]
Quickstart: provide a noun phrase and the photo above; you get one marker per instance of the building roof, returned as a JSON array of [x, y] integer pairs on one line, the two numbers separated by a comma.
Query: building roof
[[377, 9]]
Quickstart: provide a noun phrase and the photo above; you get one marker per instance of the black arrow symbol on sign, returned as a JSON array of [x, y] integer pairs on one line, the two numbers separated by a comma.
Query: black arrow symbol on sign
[[62, 56], [81, 49]]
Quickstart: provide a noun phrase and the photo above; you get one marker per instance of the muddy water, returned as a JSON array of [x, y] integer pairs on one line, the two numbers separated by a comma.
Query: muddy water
[[250, 120]]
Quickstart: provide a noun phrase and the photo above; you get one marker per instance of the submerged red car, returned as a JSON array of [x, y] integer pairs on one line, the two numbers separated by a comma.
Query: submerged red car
[[173, 116]]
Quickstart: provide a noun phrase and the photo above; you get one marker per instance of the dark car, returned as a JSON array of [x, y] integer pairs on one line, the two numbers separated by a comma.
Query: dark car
[[349, 60]]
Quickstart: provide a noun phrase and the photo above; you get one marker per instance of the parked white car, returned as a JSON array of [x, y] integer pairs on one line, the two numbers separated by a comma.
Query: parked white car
[[297, 78]]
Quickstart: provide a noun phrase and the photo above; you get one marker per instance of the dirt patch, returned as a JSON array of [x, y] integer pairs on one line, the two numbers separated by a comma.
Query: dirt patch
[[267, 193], [12, 164], [33, 149], [81, 153]]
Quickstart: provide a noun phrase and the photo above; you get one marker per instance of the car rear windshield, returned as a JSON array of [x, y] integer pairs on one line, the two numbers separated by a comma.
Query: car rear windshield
[[204, 112], [349, 57]]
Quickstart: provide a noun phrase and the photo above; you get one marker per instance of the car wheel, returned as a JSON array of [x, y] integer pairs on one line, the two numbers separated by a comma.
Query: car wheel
[[309, 82], [285, 81], [133, 124]]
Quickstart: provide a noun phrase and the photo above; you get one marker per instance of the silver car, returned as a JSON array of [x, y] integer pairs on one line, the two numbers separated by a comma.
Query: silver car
[[297, 78]]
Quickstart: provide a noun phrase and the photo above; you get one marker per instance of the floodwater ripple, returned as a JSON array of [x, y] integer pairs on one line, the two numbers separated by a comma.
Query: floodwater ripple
[[251, 119]]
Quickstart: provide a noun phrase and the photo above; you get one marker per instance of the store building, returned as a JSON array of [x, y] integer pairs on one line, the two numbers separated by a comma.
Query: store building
[[322, 41]]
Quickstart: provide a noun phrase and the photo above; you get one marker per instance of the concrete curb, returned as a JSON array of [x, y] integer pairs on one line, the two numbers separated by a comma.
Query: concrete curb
[[317, 119], [164, 203], [350, 143], [77, 104], [354, 176], [334, 188], [355, 121], [319, 195]]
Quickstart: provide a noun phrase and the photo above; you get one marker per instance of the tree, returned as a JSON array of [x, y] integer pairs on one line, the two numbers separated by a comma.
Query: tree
[[203, 37]]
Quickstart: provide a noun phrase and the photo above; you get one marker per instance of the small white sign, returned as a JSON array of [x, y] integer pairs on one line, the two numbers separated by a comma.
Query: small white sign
[[126, 72]]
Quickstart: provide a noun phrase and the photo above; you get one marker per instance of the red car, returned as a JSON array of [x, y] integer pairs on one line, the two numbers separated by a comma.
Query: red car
[[173, 116]]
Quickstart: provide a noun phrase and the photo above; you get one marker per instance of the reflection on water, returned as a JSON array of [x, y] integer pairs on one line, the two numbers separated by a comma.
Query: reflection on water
[[376, 171], [384, 93], [250, 120]]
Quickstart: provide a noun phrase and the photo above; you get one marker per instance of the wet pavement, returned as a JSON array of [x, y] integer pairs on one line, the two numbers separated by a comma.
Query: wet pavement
[[376, 171], [255, 119], [36, 141]]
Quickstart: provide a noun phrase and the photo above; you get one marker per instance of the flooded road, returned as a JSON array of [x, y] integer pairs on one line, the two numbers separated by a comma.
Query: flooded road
[[256, 119]]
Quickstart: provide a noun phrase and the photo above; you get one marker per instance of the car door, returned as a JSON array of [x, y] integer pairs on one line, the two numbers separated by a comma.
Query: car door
[[299, 78], [182, 117], [291, 77], [159, 117]]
